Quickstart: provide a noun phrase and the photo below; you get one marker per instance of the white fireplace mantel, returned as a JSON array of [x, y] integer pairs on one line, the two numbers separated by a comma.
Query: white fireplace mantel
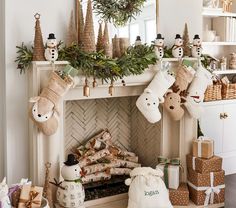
[[176, 136]]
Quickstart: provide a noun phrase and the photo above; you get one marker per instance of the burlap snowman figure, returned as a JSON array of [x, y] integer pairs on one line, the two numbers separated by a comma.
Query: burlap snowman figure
[[70, 193]]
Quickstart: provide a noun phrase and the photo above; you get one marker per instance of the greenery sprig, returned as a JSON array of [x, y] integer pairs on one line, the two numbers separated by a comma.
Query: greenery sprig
[[135, 61], [119, 12], [24, 57]]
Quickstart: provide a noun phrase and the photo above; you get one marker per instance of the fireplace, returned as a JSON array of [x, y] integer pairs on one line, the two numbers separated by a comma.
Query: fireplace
[[82, 117], [128, 128]]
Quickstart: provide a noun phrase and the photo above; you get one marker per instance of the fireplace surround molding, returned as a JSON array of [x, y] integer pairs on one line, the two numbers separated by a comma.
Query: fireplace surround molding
[[175, 139]]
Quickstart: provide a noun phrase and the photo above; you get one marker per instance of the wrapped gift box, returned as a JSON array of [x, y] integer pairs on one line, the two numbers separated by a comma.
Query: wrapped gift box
[[30, 194], [202, 165], [206, 188], [203, 147], [180, 197], [173, 175]]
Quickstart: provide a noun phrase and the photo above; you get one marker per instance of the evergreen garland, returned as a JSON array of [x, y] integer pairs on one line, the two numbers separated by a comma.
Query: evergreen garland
[[119, 12], [135, 61], [24, 57]]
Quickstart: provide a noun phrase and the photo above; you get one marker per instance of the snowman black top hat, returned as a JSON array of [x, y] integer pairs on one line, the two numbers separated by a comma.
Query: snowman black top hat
[[178, 36], [196, 37], [159, 36], [71, 160], [138, 38], [51, 36]]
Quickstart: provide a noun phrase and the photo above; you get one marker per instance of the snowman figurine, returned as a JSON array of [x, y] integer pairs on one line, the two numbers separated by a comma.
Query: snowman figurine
[[177, 49], [70, 193], [138, 41], [159, 46], [197, 47], [51, 51]]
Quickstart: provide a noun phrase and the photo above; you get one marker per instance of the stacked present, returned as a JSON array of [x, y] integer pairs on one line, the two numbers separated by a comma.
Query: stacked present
[[178, 192], [21, 195], [205, 174], [30, 196]]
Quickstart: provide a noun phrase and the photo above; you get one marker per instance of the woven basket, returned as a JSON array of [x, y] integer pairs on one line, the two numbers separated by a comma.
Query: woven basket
[[229, 91], [213, 93]]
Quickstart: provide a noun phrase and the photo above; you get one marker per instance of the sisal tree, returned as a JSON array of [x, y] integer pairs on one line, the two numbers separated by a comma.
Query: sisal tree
[[106, 42], [71, 34], [80, 21], [38, 53], [186, 43], [88, 39], [116, 53], [100, 39]]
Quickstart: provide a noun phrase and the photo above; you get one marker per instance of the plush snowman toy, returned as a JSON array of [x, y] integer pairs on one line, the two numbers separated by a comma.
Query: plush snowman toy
[[51, 51], [197, 47], [159, 46], [138, 41], [153, 95], [71, 192], [177, 50]]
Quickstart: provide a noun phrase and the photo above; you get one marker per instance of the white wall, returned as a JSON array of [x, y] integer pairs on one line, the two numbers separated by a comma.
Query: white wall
[[175, 13], [20, 28], [2, 84]]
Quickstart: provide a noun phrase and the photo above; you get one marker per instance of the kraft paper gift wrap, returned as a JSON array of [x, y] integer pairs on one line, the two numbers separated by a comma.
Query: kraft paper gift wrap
[[31, 197], [202, 165], [206, 188], [203, 147], [180, 197]]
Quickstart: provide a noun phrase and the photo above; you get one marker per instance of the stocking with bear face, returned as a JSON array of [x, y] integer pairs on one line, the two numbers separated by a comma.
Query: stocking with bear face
[[153, 95]]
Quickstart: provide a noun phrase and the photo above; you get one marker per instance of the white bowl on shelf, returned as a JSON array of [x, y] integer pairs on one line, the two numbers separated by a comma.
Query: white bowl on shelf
[[209, 35]]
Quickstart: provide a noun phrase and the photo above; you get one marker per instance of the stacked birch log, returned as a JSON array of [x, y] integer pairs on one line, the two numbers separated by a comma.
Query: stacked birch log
[[100, 159]]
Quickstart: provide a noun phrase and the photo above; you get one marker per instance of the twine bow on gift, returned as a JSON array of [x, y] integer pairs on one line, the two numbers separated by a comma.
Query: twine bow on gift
[[166, 162], [28, 203], [209, 191]]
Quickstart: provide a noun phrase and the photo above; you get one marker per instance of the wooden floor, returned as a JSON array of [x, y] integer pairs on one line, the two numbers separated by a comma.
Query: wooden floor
[[230, 195]]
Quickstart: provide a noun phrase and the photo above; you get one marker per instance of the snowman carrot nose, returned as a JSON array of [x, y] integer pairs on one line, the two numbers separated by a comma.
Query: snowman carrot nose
[[197, 97], [82, 173]]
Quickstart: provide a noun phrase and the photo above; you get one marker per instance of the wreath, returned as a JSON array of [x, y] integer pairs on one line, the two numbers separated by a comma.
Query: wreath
[[119, 12]]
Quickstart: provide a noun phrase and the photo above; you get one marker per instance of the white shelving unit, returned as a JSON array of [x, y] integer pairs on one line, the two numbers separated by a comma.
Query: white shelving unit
[[225, 72], [218, 14], [223, 145], [219, 43]]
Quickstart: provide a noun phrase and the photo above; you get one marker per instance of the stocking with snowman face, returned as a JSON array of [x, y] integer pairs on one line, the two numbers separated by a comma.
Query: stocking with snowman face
[[152, 96], [196, 91]]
